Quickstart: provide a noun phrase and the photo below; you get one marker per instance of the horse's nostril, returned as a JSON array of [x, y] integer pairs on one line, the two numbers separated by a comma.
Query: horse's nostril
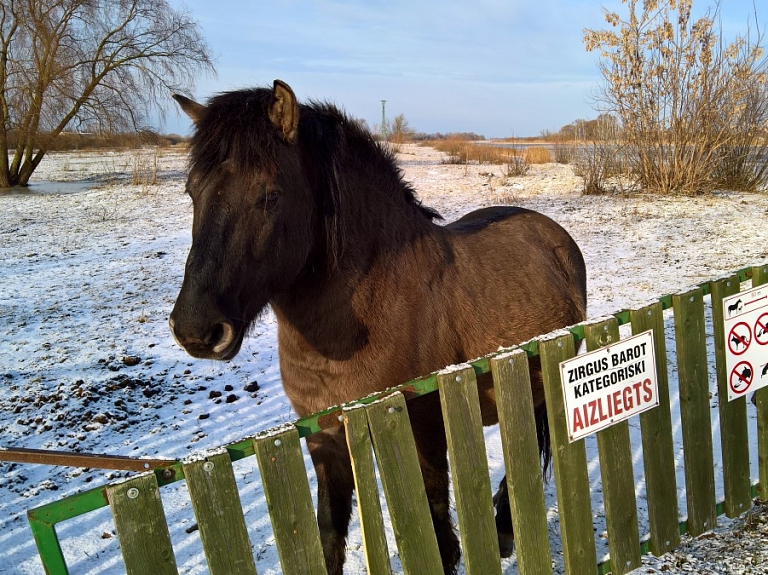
[[222, 336]]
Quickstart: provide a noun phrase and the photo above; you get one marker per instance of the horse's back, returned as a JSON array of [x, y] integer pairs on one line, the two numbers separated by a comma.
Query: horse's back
[[527, 261]]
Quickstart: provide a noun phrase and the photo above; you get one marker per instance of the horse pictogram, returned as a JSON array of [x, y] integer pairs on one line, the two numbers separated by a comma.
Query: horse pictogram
[[735, 307]]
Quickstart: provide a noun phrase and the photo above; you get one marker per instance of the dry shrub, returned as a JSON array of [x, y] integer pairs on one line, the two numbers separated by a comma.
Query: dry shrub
[[145, 168], [463, 152], [537, 155], [692, 107], [517, 164]]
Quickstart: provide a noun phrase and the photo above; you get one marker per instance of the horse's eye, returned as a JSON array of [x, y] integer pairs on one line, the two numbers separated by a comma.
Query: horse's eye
[[271, 197]]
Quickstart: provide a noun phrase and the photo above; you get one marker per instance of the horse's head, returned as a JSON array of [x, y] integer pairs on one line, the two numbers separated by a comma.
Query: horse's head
[[253, 219]]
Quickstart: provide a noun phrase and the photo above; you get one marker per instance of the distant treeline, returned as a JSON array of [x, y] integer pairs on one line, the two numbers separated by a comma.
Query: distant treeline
[[67, 141]]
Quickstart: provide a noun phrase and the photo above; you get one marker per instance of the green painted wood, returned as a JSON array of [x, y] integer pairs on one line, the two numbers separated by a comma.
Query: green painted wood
[[289, 501], [616, 471], [760, 277], [658, 441], [403, 485], [569, 461], [219, 514], [367, 489], [141, 527], [517, 427], [734, 434], [690, 339], [469, 470]]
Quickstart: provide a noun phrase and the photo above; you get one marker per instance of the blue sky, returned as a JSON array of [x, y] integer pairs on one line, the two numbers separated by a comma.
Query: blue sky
[[493, 67]]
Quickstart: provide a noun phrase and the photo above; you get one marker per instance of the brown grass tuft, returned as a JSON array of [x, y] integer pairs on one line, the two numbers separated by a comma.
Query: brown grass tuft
[[537, 155]]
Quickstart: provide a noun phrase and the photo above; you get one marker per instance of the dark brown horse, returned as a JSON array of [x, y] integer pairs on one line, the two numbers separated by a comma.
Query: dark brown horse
[[297, 207]]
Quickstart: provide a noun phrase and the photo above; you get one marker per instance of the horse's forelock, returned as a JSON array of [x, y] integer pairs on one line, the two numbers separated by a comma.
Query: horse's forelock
[[236, 128]]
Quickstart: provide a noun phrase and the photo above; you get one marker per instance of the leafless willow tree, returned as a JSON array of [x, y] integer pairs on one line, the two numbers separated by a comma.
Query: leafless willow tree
[[87, 65], [693, 107]]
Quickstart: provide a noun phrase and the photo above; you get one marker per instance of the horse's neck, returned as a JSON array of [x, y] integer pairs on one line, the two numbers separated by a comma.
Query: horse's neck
[[331, 308]]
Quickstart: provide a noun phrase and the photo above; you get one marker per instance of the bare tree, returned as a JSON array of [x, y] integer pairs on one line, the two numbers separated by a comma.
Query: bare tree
[[92, 65], [687, 100]]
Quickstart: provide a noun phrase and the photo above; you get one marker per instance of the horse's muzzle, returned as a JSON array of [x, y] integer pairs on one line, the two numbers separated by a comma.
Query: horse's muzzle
[[219, 341]]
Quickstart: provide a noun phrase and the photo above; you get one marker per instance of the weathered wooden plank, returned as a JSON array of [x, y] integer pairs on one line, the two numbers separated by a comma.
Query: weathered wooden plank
[[616, 471], [403, 485], [658, 442], [569, 461], [517, 427], [368, 504], [760, 277], [289, 501], [141, 527], [469, 470], [734, 434], [219, 514], [690, 339]]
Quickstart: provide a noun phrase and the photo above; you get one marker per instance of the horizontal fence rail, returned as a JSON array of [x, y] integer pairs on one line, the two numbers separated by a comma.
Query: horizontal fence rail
[[374, 424]]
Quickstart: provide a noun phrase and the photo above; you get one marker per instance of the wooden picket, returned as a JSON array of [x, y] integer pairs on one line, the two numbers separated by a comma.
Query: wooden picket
[[569, 461], [657, 440], [141, 527], [760, 277], [289, 502], [216, 502], [381, 427], [367, 489], [615, 454], [733, 414], [694, 410], [403, 486], [517, 425], [469, 466]]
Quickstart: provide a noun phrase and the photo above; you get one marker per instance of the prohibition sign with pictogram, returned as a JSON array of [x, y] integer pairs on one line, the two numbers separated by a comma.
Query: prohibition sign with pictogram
[[739, 338], [745, 327], [741, 378], [761, 329]]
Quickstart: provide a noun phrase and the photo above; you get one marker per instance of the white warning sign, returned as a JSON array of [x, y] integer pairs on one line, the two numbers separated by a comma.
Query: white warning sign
[[746, 339], [609, 385]]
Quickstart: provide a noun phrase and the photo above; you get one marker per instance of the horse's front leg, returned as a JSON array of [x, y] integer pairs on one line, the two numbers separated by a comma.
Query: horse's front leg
[[335, 483]]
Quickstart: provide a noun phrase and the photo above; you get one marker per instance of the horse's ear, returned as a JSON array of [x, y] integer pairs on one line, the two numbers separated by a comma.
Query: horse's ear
[[284, 110], [191, 108]]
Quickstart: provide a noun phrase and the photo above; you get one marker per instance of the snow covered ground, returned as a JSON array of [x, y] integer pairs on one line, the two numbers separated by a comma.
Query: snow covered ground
[[87, 363]]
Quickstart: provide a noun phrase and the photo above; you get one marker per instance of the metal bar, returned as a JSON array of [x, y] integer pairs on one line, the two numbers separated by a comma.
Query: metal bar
[[73, 459]]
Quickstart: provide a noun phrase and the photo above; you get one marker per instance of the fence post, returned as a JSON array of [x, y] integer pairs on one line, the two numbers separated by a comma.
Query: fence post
[[733, 414], [616, 471], [517, 427], [469, 470], [760, 277], [658, 443], [569, 461], [690, 338]]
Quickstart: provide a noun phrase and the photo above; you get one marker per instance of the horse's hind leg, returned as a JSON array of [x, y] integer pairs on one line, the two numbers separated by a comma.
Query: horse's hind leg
[[335, 483], [427, 424]]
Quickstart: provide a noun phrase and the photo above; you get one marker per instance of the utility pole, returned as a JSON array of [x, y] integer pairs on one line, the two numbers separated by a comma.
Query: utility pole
[[383, 121]]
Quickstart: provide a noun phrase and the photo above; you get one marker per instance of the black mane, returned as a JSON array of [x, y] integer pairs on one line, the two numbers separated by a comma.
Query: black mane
[[237, 127]]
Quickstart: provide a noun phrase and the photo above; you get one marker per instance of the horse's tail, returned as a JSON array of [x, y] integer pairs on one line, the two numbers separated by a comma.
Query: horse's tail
[[575, 271], [545, 444]]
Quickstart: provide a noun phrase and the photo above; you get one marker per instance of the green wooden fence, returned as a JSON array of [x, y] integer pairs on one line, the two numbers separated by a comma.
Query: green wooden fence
[[380, 425]]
